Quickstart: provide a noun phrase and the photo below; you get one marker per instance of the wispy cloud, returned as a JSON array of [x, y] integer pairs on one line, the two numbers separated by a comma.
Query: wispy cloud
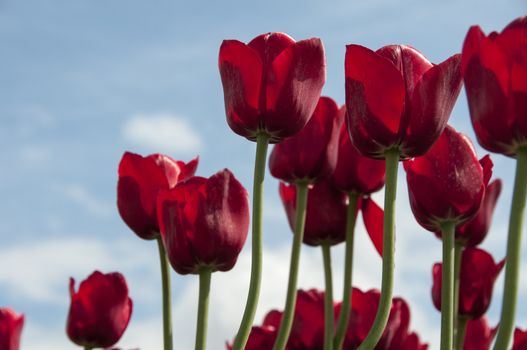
[[81, 196], [162, 132]]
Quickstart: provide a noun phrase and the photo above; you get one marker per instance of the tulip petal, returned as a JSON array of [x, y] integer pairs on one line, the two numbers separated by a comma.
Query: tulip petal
[[373, 217], [294, 83], [375, 95], [432, 102], [241, 72]]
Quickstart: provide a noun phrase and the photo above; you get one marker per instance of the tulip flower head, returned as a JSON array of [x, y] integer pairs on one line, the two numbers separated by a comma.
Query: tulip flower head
[[11, 325], [447, 183], [494, 69], [99, 311], [473, 232], [520, 340], [140, 180], [479, 334], [353, 171], [272, 84], [326, 214], [397, 99], [312, 153], [204, 222], [477, 276]]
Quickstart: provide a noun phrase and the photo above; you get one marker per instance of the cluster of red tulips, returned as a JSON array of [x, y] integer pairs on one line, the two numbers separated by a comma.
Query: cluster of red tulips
[[330, 160]]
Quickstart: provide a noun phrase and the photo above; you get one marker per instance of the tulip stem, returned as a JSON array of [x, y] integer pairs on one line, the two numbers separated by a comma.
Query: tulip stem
[[458, 250], [345, 308], [388, 249], [328, 298], [461, 331], [87, 347], [203, 308], [165, 283], [510, 293], [447, 286], [290, 303], [262, 141]]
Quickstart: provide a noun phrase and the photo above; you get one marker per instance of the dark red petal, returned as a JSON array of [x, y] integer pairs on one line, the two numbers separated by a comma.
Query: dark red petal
[[373, 217], [375, 95], [288, 196], [312, 153], [432, 101], [479, 335], [188, 170], [471, 46], [100, 310], [437, 271], [177, 214], [270, 45], [354, 172], [294, 84], [520, 339], [11, 325], [241, 71], [475, 230], [223, 224]]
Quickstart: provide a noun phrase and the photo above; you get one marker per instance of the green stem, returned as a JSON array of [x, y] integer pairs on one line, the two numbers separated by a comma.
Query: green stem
[[328, 298], [447, 286], [345, 309], [458, 250], [290, 303], [203, 308], [388, 248], [165, 283], [461, 331], [510, 293], [262, 141], [87, 347]]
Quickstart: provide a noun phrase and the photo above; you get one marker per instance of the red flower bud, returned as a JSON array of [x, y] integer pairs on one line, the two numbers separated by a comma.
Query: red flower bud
[[447, 183], [312, 153], [99, 311], [326, 214], [476, 282], [260, 338], [520, 340], [479, 335], [474, 231], [494, 68], [140, 180], [272, 84], [204, 222], [11, 325], [354, 172], [396, 98]]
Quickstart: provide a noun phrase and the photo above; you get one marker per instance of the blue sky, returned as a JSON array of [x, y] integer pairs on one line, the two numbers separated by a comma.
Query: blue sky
[[83, 81]]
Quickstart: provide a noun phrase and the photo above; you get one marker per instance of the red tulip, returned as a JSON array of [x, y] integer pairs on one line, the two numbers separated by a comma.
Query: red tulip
[[494, 68], [99, 311], [204, 222], [272, 84], [476, 282], [312, 153], [447, 183], [354, 172], [474, 231], [479, 335], [260, 338], [520, 340], [11, 325], [326, 214], [307, 331], [396, 335], [140, 180], [396, 98]]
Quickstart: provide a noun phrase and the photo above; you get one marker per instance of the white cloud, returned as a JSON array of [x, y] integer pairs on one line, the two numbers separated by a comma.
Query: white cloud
[[162, 132], [80, 195]]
